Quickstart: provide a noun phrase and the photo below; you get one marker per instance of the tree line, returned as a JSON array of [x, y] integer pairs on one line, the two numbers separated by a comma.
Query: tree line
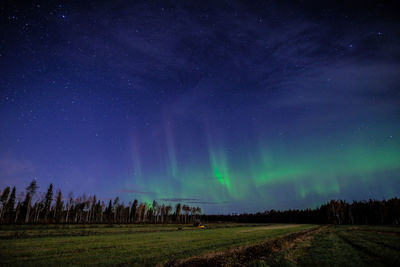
[[333, 212], [57, 209]]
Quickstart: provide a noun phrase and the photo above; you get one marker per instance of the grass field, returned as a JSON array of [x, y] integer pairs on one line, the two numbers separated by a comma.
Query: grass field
[[342, 246], [148, 245]]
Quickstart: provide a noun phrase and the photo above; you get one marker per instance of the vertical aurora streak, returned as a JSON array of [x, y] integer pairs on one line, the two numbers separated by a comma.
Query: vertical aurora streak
[[220, 169], [171, 151]]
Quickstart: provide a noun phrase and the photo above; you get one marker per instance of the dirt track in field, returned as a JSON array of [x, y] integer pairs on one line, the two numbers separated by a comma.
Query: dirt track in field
[[244, 255]]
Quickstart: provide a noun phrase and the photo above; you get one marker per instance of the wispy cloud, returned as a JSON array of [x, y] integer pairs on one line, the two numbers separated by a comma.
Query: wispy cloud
[[205, 202], [134, 191], [179, 199], [13, 166], [191, 201]]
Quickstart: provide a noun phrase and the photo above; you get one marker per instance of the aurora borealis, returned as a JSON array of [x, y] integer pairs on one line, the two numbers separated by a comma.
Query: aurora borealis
[[230, 106]]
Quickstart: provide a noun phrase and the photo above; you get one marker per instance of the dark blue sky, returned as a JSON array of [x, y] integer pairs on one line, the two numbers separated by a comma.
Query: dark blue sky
[[224, 104]]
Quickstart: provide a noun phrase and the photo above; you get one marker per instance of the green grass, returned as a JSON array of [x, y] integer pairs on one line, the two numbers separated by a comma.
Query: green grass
[[343, 246], [124, 244], [147, 245]]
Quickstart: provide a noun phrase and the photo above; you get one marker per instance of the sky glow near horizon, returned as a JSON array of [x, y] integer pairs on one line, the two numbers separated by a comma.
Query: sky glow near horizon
[[228, 106]]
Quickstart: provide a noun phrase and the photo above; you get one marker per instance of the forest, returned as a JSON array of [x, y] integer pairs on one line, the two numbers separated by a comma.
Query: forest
[[55, 208], [333, 212]]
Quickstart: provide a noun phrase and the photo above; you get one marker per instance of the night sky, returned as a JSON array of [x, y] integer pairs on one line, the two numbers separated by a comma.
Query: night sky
[[224, 105]]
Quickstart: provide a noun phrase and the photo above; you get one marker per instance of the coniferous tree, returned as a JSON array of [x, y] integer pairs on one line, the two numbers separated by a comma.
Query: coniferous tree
[[47, 202], [167, 212], [30, 192], [70, 204], [144, 212], [185, 208], [133, 211], [178, 212], [115, 208], [109, 211], [97, 212], [102, 211], [155, 211], [9, 207], [32, 187], [4, 195], [3, 200], [140, 212], [162, 215], [93, 209], [17, 212], [59, 207]]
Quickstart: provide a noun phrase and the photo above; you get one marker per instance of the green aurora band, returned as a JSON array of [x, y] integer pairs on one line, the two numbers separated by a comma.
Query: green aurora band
[[314, 173]]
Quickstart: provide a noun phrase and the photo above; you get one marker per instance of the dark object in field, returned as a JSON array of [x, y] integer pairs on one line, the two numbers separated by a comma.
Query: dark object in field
[[198, 224]]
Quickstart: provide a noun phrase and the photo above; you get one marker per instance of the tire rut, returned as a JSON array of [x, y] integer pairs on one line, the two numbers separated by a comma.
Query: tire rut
[[243, 256]]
